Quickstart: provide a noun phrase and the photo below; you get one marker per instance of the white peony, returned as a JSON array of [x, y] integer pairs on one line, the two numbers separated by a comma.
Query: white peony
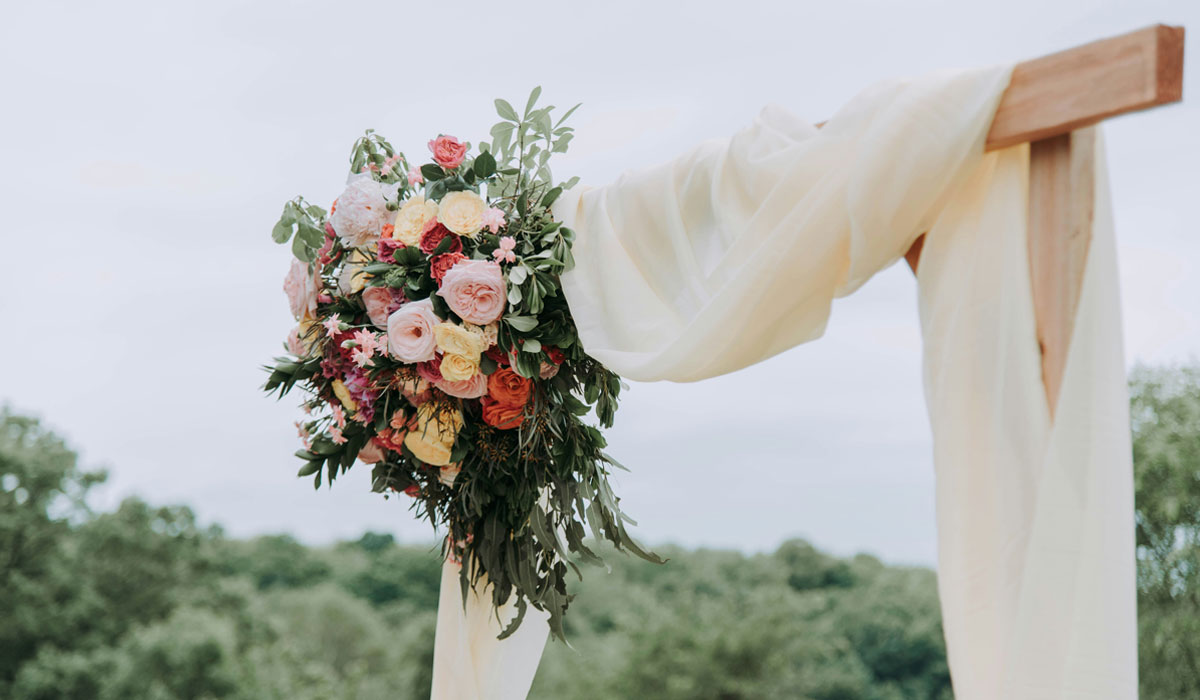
[[361, 211]]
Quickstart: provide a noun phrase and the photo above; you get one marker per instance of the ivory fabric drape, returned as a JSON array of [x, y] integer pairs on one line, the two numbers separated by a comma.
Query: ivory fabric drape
[[733, 253]]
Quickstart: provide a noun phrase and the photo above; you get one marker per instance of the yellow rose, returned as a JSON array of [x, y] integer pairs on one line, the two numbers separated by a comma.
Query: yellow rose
[[457, 368], [411, 219], [462, 212], [343, 395], [433, 438], [457, 340], [305, 337], [352, 280]]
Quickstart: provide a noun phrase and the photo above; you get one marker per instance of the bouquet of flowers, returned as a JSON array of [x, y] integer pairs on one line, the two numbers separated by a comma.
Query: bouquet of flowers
[[434, 344]]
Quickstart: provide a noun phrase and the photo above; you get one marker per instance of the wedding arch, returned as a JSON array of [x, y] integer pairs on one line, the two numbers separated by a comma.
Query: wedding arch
[[457, 320], [1017, 281]]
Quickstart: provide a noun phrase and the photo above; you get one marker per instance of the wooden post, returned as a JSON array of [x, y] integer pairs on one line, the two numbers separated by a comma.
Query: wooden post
[[1061, 194], [1057, 94], [1051, 102]]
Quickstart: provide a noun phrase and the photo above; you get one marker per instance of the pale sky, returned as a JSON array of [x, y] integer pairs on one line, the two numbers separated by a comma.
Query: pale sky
[[146, 150]]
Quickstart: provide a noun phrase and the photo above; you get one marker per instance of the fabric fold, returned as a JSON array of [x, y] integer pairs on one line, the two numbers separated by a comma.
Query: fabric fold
[[734, 252]]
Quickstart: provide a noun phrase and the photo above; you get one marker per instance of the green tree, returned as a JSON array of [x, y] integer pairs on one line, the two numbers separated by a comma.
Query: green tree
[[1165, 409], [41, 490]]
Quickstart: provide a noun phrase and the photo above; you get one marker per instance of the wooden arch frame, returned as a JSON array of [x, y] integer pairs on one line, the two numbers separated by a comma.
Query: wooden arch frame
[[1051, 103]]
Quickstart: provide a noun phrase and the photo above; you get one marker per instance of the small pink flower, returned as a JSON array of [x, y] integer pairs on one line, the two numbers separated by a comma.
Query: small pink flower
[[339, 416], [333, 325], [301, 430], [448, 151], [361, 358], [505, 252], [493, 219], [415, 177], [335, 434], [367, 341]]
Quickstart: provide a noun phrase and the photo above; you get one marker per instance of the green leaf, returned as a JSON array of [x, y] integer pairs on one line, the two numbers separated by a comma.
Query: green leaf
[[301, 250], [521, 323], [570, 111], [531, 345], [505, 110], [282, 232], [551, 196], [432, 172], [518, 274], [443, 245], [485, 165], [533, 97]]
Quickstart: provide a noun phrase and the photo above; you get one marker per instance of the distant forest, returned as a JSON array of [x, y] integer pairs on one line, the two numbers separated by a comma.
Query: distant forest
[[141, 603]]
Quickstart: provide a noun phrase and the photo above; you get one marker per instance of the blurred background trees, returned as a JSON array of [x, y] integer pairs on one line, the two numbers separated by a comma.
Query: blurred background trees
[[144, 603]]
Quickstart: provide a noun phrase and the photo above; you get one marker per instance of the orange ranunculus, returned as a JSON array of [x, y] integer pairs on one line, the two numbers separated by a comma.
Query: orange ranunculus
[[501, 415], [509, 388]]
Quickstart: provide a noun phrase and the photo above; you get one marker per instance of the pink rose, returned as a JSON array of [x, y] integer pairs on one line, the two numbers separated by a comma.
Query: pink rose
[[294, 344], [410, 332], [474, 289], [431, 371], [387, 248], [448, 151], [471, 388], [301, 290], [381, 302], [433, 235]]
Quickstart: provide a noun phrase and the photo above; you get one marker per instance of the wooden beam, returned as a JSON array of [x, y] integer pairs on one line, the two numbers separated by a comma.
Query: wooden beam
[[1061, 194], [1071, 89], [1056, 94]]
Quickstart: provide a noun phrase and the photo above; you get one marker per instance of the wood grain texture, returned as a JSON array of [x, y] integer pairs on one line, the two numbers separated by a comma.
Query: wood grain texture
[[1059, 93], [1061, 197], [1056, 94]]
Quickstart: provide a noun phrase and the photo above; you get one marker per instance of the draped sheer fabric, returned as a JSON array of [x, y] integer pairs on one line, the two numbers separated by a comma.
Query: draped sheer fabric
[[733, 253]]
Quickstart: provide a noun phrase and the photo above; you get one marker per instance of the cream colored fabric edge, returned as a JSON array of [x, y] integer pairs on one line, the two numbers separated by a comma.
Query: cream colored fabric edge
[[469, 662], [1036, 562]]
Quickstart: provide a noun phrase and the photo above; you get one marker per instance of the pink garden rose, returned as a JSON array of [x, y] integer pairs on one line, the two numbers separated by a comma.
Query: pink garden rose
[[301, 290], [295, 344], [471, 388], [410, 332], [381, 302], [362, 211], [448, 151], [474, 289]]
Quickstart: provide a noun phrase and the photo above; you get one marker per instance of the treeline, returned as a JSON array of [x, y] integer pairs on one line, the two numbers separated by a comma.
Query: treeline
[[143, 603]]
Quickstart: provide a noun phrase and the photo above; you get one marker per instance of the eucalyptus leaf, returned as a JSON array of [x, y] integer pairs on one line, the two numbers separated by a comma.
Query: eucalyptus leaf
[[505, 110]]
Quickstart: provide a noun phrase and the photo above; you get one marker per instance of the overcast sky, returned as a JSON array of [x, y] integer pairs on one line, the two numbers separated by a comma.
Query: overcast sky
[[146, 150]]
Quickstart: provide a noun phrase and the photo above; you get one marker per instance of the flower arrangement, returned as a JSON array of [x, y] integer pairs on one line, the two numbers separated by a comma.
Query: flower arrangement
[[434, 344]]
